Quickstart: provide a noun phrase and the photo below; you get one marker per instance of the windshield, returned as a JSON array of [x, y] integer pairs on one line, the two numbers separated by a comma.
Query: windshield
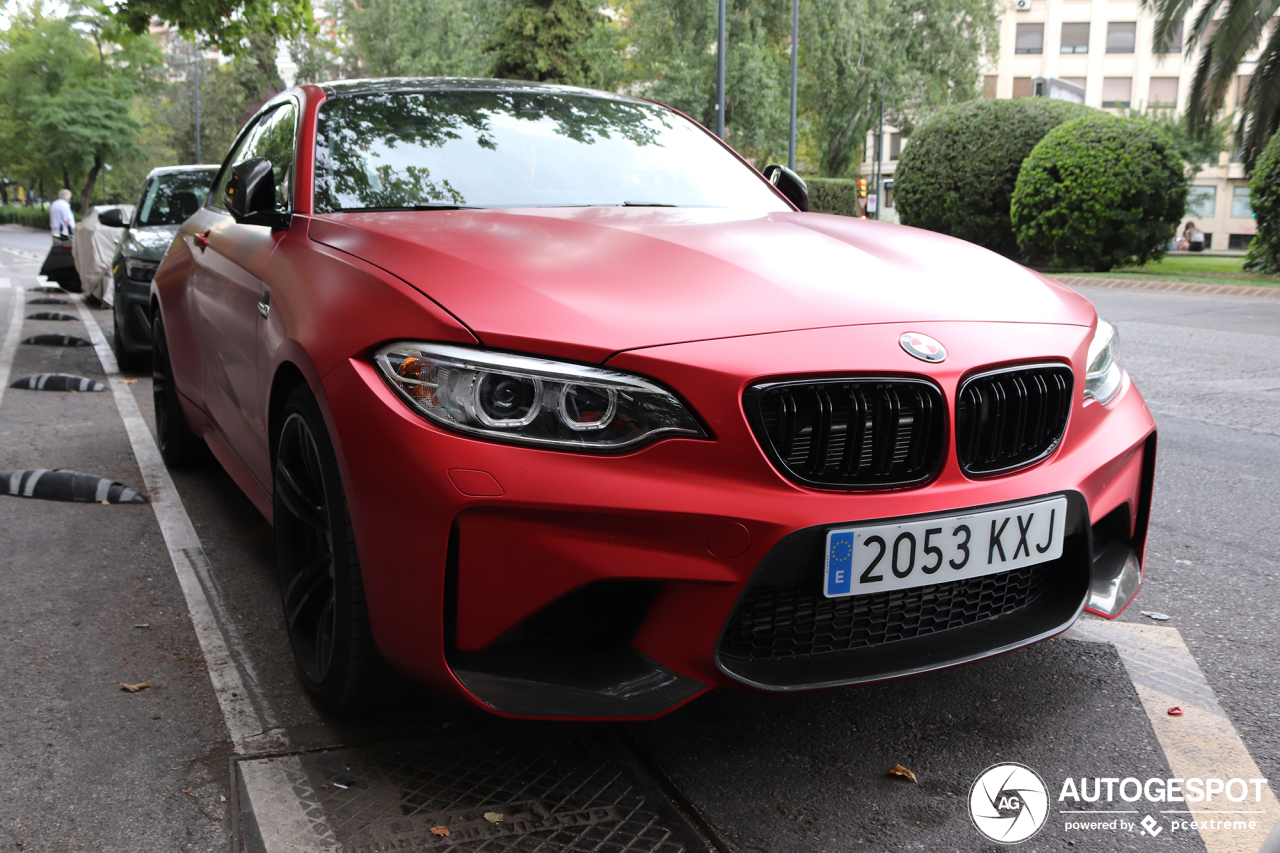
[[520, 149], [170, 198]]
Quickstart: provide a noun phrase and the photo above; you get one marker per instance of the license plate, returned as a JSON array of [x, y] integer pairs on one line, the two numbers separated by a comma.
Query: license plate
[[884, 557]]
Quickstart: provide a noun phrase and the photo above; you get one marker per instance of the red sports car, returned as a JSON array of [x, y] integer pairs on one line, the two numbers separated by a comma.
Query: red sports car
[[558, 406]]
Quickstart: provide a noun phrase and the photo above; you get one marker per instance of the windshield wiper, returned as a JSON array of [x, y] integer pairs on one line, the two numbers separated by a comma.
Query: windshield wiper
[[646, 204], [418, 206]]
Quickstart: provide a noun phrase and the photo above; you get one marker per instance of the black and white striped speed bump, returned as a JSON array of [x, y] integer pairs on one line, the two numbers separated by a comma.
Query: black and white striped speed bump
[[51, 315], [57, 341], [58, 382], [60, 485], [48, 300]]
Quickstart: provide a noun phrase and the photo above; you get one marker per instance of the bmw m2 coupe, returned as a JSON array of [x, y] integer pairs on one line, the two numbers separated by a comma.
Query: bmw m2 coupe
[[560, 407]]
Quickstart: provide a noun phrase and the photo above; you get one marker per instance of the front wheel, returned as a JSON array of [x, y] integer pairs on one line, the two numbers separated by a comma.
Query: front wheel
[[178, 444], [320, 585]]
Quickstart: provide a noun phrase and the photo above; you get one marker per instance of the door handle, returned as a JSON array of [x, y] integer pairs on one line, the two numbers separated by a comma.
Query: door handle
[[264, 307], [202, 240]]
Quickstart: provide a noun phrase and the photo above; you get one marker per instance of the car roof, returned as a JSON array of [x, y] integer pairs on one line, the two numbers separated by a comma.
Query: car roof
[[173, 170], [343, 88]]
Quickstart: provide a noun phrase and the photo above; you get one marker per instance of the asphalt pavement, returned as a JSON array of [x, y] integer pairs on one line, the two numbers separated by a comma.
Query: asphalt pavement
[[89, 599]]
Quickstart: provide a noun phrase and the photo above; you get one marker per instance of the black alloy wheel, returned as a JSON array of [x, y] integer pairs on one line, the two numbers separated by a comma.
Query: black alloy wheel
[[179, 446], [129, 362], [320, 584]]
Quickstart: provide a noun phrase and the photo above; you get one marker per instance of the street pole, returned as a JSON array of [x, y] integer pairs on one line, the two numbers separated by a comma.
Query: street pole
[[795, 64], [720, 74], [196, 50], [880, 160]]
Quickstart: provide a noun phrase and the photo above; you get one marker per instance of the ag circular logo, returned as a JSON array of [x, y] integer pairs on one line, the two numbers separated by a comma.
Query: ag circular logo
[[922, 347], [1008, 803]]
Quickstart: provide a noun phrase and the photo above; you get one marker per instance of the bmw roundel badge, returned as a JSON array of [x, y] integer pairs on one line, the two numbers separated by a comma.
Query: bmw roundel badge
[[922, 347]]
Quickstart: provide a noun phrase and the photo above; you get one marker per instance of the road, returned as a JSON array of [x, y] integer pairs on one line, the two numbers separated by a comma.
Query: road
[[89, 598]]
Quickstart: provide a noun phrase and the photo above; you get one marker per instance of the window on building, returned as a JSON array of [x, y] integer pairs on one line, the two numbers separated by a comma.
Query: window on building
[[1029, 39], [1240, 203], [1075, 38], [989, 86], [1121, 38], [895, 146], [888, 192], [1202, 202], [1239, 241], [1117, 92], [1173, 44], [1164, 92], [1022, 87], [1242, 87]]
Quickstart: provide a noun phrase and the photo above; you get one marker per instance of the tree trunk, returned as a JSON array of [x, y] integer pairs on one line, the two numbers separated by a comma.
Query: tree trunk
[[86, 194]]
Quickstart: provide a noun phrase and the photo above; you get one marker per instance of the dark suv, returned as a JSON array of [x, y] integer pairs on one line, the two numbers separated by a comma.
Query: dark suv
[[169, 196]]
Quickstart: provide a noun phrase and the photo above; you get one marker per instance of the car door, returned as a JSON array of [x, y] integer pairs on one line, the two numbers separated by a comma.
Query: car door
[[233, 300]]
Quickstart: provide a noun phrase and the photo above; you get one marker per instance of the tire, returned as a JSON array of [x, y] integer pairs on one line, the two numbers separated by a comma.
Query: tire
[[179, 446], [320, 585], [128, 362]]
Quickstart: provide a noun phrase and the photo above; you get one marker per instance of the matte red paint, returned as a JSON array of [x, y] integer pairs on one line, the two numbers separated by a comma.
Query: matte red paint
[[705, 302]]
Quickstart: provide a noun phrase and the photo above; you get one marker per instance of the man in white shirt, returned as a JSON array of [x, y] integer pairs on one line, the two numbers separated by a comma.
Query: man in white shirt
[[61, 221]]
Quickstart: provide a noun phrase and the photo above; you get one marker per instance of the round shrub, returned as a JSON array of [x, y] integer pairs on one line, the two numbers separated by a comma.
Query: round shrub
[[1264, 198], [957, 175], [1096, 194]]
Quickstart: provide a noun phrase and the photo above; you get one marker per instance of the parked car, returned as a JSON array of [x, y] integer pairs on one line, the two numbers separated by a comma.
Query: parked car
[[560, 407], [169, 195]]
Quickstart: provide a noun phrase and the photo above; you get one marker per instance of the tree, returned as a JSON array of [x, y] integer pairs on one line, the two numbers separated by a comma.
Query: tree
[[1099, 192], [545, 41], [1197, 150], [403, 38], [1264, 198], [1224, 32], [68, 105], [226, 25]]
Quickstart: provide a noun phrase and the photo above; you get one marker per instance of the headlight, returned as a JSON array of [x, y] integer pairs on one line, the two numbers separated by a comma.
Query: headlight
[[1103, 376], [532, 400], [140, 270]]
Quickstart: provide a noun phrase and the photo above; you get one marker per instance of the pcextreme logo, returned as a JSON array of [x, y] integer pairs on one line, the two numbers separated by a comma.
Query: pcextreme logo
[[1008, 803]]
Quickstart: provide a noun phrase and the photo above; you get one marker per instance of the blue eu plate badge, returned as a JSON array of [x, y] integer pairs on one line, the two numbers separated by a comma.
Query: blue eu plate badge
[[840, 563]]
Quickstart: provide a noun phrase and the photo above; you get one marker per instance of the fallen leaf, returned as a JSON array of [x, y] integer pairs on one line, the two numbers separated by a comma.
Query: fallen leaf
[[133, 688], [899, 770], [186, 791], [123, 665], [156, 717], [1159, 617], [440, 830], [1175, 711], [493, 817], [128, 381], [222, 798]]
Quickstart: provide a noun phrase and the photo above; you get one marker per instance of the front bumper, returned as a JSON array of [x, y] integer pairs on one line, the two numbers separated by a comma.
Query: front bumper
[[131, 311], [540, 583]]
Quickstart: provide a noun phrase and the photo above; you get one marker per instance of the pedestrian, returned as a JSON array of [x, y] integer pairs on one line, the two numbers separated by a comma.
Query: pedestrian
[[61, 221]]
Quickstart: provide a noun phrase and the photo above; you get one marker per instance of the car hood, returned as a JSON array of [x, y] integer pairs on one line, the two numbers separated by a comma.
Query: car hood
[[149, 243], [585, 283]]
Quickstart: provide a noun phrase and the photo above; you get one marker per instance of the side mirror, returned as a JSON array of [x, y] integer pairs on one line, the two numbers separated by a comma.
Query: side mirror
[[111, 218], [789, 184], [250, 196]]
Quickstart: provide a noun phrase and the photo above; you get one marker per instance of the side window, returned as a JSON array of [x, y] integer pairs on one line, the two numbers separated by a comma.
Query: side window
[[237, 156], [272, 138]]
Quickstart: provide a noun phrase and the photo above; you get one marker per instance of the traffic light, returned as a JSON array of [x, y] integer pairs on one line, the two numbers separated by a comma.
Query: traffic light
[[862, 198], [862, 187]]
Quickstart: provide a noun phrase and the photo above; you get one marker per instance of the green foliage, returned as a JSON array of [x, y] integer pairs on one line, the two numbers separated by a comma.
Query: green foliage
[[67, 108], [34, 216], [833, 195], [1197, 149], [1264, 198], [958, 173], [545, 41], [1223, 33], [227, 25], [1097, 193], [403, 38]]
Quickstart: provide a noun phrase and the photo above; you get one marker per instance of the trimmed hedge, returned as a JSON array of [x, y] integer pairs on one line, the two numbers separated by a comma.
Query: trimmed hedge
[[1264, 198], [957, 175], [1098, 193], [833, 195], [32, 217]]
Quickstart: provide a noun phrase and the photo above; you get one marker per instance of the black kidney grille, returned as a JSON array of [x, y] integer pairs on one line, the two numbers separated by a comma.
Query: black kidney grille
[[1011, 418], [851, 433], [788, 621]]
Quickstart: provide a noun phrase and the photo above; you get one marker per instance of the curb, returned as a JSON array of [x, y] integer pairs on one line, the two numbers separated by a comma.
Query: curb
[[1257, 291]]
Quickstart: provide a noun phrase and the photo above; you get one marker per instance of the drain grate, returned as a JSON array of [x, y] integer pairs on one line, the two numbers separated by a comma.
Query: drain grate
[[569, 789]]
